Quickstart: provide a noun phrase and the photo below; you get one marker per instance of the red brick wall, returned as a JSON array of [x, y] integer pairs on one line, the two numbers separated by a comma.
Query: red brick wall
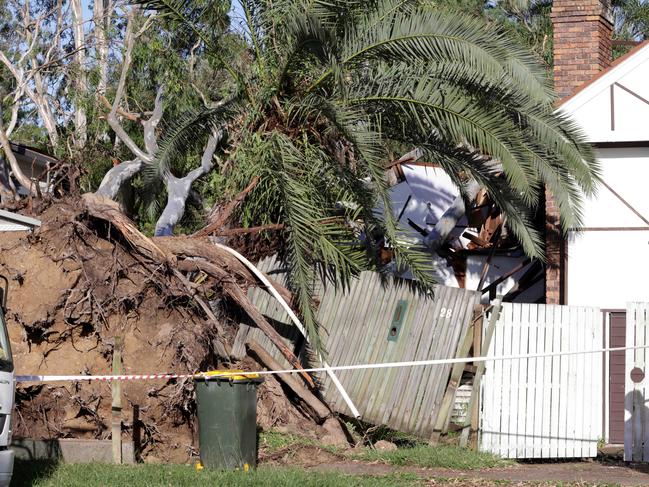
[[582, 42], [555, 275], [582, 48]]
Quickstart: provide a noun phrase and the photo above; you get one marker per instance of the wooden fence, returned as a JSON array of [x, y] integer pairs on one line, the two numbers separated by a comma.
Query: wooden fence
[[546, 407], [636, 414], [372, 322]]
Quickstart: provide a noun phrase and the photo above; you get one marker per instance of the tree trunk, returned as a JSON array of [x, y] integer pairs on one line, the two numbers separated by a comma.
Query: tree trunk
[[117, 176], [13, 162], [101, 17], [178, 191], [80, 82]]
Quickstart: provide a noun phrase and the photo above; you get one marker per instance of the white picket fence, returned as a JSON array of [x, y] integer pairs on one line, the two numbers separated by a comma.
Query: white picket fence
[[547, 407], [636, 405]]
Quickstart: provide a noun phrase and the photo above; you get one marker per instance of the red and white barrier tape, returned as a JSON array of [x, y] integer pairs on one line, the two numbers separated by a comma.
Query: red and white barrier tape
[[105, 378], [388, 365]]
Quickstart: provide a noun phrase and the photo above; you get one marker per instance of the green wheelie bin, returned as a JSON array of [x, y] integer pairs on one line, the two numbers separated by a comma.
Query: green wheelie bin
[[227, 419]]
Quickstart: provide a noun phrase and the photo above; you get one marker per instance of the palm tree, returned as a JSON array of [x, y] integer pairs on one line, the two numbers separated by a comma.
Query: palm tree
[[332, 86]]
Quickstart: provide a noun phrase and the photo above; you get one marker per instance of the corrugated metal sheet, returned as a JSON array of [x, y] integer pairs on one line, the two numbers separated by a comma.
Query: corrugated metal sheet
[[13, 222], [358, 325], [6, 226]]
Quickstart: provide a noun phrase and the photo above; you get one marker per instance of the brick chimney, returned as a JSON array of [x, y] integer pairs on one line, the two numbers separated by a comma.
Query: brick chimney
[[582, 48], [582, 42]]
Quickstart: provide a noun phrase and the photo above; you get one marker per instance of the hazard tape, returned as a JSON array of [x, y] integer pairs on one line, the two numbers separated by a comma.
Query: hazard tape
[[104, 378], [385, 365]]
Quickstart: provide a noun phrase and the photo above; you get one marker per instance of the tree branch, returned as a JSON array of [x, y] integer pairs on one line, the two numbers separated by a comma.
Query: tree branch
[[150, 125], [178, 190], [223, 215], [119, 93], [117, 176]]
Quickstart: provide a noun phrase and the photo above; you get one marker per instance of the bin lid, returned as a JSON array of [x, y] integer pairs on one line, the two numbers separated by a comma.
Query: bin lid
[[228, 375]]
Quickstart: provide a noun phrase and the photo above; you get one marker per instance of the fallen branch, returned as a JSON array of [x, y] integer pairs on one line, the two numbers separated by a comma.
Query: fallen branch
[[189, 247], [108, 210], [235, 293], [133, 117], [223, 215], [230, 232], [317, 408]]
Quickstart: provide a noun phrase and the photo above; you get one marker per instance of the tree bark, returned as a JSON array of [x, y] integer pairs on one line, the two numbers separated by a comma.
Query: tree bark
[[13, 162], [178, 190], [80, 80], [108, 210], [101, 17], [117, 176]]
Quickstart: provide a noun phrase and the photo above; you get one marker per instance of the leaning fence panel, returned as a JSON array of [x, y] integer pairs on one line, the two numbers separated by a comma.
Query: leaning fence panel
[[375, 321], [543, 407]]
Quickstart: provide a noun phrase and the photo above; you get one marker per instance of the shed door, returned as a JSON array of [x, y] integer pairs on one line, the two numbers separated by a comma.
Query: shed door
[[617, 338]]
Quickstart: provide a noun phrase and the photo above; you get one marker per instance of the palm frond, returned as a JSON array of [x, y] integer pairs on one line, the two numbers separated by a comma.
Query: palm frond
[[314, 240], [440, 108], [189, 132], [366, 139]]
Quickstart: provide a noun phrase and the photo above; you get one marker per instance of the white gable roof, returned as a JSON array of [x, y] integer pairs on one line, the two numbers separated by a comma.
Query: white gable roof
[[614, 107]]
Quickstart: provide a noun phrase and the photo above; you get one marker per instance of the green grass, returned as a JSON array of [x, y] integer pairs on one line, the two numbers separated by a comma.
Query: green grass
[[436, 457], [416, 455], [272, 441], [41, 474]]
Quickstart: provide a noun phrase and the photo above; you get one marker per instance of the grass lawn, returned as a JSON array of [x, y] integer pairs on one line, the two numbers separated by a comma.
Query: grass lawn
[[287, 472], [416, 455], [436, 457], [40, 474]]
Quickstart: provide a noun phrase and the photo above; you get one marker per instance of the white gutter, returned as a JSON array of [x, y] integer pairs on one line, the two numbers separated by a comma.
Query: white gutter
[[23, 220]]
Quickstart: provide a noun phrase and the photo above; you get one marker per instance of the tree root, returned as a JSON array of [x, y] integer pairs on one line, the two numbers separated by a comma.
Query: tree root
[[174, 255]]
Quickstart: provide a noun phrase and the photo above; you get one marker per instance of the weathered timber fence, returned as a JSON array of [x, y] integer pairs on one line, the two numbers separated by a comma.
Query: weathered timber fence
[[371, 322]]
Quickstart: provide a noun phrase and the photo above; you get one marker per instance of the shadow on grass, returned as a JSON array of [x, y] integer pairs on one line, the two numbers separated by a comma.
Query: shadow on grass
[[28, 472]]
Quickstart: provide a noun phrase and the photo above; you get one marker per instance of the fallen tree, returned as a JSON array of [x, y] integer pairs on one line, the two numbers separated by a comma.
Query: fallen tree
[[176, 303]]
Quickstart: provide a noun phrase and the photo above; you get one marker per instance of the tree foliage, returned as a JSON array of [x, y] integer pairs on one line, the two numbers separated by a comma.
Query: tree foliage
[[329, 87]]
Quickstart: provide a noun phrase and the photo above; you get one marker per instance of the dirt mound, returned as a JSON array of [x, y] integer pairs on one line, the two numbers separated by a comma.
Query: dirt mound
[[76, 284]]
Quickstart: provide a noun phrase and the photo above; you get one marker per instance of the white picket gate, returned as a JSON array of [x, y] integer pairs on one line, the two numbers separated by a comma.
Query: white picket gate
[[546, 407], [636, 407]]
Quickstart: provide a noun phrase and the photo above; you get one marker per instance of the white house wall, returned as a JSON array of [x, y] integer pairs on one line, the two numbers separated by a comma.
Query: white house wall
[[615, 107], [608, 268]]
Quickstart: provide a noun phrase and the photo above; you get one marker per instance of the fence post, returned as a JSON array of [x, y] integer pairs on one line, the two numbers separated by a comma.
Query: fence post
[[474, 407], [446, 406], [474, 402], [116, 388]]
